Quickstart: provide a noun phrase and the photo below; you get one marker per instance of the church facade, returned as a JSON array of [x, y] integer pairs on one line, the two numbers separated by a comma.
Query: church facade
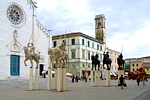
[[18, 27]]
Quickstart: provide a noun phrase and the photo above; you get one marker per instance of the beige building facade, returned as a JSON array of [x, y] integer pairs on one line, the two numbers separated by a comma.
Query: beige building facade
[[136, 63], [80, 47], [113, 55]]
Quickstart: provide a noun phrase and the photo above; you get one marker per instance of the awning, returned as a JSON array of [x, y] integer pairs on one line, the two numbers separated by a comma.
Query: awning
[[69, 74], [113, 73], [86, 70], [53, 72]]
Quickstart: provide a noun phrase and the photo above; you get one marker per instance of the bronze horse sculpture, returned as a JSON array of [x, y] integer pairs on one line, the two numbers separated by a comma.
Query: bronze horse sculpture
[[107, 61], [95, 61], [120, 62]]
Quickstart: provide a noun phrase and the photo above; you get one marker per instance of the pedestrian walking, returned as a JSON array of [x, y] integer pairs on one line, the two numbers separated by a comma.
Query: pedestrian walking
[[85, 79], [138, 80], [72, 78], [121, 81], [76, 78]]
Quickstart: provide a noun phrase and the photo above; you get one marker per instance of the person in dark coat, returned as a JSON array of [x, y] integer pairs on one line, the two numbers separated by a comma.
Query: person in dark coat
[[76, 78], [138, 80], [72, 78], [121, 79]]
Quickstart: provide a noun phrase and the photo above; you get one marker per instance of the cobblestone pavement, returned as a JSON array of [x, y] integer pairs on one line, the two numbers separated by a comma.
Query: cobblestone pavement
[[18, 89]]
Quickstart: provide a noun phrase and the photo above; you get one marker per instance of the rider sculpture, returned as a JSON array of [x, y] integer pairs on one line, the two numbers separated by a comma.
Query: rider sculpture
[[58, 54], [106, 60], [120, 62], [95, 61], [30, 54]]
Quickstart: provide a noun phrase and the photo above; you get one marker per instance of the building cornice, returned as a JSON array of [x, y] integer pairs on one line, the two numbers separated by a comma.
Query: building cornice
[[75, 34]]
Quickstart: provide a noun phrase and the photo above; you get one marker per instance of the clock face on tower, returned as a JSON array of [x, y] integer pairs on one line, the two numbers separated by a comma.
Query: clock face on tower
[[15, 15]]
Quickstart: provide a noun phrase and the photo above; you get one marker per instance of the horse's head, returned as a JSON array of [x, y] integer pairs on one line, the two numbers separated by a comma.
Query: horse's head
[[96, 56], [25, 49], [49, 51], [92, 57], [62, 47]]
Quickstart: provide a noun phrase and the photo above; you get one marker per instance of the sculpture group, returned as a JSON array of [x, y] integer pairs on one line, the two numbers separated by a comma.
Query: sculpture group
[[58, 54], [106, 60]]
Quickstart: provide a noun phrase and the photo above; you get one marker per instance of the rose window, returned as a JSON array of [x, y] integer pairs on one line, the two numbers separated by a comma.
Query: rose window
[[14, 14]]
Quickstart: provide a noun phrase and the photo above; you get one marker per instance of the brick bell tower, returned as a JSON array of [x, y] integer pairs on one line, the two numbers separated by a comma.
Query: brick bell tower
[[100, 29]]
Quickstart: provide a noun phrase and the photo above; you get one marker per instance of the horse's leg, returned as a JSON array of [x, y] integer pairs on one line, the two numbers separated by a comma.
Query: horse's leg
[[92, 66], [103, 66], [25, 62], [31, 63], [98, 66], [95, 66], [37, 63], [108, 66]]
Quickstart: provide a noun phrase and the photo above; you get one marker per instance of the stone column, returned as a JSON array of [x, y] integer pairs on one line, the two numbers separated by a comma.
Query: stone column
[[122, 72], [64, 87], [49, 79], [36, 78], [31, 77], [94, 78], [108, 77], [91, 83], [55, 79], [59, 79], [98, 78], [119, 74]]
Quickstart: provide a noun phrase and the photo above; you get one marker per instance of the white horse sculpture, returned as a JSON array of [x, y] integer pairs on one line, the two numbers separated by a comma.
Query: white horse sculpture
[[58, 54], [29, 56]]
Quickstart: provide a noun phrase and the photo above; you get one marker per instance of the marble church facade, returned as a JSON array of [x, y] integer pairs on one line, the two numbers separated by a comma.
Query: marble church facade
[[18, 27]]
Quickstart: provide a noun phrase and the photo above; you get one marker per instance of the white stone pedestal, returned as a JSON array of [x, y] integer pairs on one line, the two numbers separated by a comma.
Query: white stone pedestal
[[49, 79], [61, 79], [30, 79], [98, 78], [64, 71], [92, 83], [36, 78], [108, 77], [120, 72], [95, 78], [55, 79]]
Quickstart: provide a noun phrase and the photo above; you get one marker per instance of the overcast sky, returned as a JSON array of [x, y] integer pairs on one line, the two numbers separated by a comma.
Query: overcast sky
[[127, 21]]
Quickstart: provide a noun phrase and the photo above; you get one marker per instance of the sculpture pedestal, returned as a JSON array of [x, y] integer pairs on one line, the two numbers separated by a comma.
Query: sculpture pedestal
[[36, 78], [95, 78], [64, 86], [49, 79], [108, 77], [55, 79], [98, 78], [120, 72], [30, 79], [61, 79]]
